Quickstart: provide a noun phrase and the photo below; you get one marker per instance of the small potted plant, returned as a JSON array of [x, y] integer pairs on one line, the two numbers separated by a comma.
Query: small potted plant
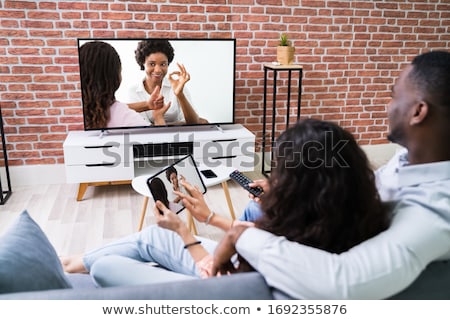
[[285, 52]]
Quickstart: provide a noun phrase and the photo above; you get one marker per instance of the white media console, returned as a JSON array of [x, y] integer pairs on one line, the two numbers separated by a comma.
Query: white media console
[[93, 158]]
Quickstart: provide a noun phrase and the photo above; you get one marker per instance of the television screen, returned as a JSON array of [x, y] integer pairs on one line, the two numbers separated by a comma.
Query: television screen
[[151, 73]]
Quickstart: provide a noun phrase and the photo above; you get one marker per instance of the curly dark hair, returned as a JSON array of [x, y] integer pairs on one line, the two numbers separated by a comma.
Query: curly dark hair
[[322, 189], [100, 72], [147, 47], [169, 171]]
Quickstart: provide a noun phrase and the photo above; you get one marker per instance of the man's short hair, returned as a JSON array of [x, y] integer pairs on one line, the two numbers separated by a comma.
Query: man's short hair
[[430, 76]]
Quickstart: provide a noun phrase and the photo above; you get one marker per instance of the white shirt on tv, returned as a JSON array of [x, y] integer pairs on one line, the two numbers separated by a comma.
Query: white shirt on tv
[[137, 93]]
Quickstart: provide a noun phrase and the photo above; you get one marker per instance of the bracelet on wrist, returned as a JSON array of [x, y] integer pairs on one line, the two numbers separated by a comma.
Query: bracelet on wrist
[[191, 244], [208, 220]]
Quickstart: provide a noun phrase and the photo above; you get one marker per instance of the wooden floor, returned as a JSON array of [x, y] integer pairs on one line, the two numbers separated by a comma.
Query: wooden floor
[[104, 214]]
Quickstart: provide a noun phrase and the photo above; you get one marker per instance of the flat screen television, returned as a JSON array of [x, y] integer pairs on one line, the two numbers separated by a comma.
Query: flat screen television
[[211, 88]]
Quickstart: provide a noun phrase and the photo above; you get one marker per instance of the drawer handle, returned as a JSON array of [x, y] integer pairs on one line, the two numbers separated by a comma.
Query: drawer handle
[[224, 140], [98, 147], [224, 157], [100, 164]]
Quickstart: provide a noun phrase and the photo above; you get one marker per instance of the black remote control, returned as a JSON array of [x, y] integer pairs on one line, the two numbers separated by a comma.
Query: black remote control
[[243, 181]]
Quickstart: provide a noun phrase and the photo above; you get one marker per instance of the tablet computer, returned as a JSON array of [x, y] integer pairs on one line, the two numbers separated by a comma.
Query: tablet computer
[[163, 184]]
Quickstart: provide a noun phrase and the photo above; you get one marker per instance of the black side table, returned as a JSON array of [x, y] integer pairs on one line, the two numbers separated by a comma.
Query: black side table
[[5, 189], [275, 69]]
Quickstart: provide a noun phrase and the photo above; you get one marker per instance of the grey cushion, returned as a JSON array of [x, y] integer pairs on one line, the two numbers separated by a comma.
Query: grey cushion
[[432, 284], [28, 261], [81, 281]]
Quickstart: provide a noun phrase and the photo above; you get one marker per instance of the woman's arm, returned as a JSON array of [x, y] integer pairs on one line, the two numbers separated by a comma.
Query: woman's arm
[[225, 251], [171, 221], [140, 106], [190, 115], [195, 203], [178, 79], [158, 115]]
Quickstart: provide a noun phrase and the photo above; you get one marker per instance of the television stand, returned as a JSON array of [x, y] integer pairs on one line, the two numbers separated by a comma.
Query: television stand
[[117, 158]]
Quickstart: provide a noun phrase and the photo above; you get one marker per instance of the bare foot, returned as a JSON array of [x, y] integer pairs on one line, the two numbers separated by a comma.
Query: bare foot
[[73, 264]]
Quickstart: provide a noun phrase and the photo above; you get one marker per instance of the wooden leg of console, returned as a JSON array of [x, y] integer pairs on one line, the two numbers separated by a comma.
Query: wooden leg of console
[[143, 212], [83, 186], [228, 198], [81, 190]]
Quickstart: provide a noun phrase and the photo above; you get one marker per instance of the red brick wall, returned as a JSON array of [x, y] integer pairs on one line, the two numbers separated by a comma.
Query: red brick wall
[[351, 52]]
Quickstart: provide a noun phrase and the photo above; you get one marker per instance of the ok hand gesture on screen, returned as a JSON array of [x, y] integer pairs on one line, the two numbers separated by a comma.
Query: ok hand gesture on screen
[[179, 78]]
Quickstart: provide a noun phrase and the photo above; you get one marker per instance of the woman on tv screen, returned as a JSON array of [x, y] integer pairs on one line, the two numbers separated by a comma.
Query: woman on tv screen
[[154, 57]]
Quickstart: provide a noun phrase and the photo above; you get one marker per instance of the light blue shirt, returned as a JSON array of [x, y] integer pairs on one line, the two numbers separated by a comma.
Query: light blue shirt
[[387, 176], [375, 269]]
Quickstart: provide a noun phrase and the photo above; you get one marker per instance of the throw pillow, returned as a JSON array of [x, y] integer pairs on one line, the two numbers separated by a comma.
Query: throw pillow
[[28, 261]]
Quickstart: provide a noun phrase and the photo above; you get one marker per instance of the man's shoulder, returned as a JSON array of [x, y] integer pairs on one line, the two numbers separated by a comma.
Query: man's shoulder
[[425, 191], [425, 174]]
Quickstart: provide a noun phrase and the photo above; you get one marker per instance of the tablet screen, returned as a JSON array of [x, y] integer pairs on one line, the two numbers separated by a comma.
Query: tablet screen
[[163, 184]]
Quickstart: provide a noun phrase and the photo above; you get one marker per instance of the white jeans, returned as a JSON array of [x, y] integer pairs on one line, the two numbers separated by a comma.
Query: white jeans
[[121, 262]]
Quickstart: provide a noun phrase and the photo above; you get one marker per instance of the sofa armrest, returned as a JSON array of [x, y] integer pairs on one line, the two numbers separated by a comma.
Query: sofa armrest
[[380, 154], [242, 286]]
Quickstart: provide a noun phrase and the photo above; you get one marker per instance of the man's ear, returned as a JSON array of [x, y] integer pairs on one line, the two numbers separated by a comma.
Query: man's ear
[[420, 112]]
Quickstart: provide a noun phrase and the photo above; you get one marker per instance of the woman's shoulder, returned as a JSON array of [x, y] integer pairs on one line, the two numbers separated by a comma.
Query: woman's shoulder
[[122, 115], [120, 106]]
